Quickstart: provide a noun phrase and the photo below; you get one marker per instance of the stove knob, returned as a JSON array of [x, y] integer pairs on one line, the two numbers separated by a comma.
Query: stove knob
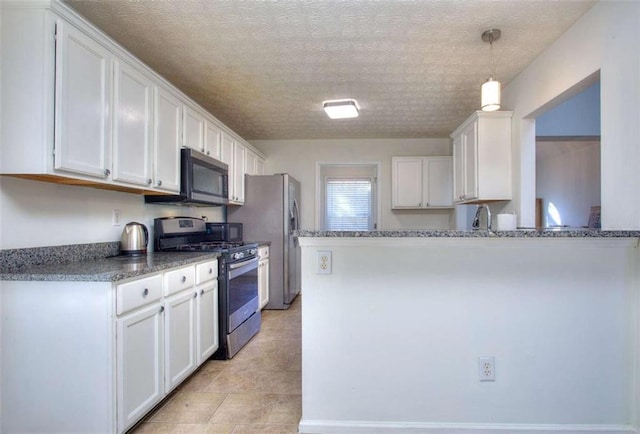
[[254, 251]]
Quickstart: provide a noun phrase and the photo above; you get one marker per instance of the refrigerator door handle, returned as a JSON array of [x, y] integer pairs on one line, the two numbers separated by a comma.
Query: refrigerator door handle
[[296, 216]]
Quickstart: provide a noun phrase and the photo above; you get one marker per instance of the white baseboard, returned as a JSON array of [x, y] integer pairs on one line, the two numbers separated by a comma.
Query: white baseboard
[[356, 427]]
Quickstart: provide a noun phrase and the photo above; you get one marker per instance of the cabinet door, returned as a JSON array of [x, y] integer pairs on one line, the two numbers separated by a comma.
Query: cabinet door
[[212, 137], [407, 182], [82, 103], [259, 166], [470, 143], [458, 168], [207, 332], [263, 283], [180, 338], [226, 156], [439, 182], [166, 139], [139, 366], [251, 163], [132, 145], [193, 129], [239, 161]]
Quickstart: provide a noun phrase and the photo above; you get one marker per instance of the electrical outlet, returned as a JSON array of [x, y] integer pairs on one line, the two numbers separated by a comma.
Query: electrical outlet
[[324, 262], [116, 216], [487, 368]]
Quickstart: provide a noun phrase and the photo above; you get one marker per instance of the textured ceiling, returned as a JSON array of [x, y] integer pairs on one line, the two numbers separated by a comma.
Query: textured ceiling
[[264, 67]]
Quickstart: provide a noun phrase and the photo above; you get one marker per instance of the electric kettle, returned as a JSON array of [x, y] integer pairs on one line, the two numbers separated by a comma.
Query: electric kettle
[[135, 237]]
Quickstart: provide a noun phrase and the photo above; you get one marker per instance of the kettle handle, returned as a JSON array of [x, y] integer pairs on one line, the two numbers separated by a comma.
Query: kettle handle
[[146, 235]]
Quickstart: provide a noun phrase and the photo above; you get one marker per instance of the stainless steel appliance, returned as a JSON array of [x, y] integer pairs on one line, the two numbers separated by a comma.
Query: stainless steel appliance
[[203, 182], [134, 239], [271, 213], [224, 231], [239, 316]]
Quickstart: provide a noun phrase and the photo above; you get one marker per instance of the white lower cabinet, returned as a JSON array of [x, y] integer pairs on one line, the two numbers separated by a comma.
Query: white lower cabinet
[[180, 338], [159, 345], [263, 276], [114, 349], [140, 359], [207, 326]]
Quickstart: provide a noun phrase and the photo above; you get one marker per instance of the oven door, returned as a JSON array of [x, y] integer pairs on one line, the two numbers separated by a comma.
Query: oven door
[[242, 291]]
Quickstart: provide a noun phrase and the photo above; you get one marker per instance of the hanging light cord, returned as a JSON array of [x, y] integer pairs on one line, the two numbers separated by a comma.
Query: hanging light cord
[[492, 70]]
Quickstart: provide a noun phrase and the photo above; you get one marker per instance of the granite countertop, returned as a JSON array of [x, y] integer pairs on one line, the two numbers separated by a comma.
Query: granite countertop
[[426, 233], [109, 269]]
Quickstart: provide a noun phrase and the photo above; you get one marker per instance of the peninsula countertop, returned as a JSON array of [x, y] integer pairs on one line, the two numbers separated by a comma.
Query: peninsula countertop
[[109, 269], [440, 233]]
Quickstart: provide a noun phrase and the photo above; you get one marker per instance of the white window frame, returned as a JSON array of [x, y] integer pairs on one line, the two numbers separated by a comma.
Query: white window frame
[[319, 211]]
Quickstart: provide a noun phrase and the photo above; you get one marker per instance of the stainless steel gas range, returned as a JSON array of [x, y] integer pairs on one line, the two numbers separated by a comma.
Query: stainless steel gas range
[[239, 316]]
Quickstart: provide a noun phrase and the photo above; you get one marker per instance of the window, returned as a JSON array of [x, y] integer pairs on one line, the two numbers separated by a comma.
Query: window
[[347, 197], [349, 204]]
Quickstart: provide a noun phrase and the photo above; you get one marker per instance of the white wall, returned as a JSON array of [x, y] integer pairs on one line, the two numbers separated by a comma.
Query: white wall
[[568, 176], [391, 338], [605, 39], [299, 157], [36, 214]]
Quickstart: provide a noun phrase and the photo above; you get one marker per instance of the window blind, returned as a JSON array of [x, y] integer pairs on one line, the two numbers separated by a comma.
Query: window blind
[[349, 204]]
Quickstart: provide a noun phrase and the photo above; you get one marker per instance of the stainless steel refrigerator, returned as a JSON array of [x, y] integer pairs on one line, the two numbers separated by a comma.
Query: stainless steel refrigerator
[[271, 213]]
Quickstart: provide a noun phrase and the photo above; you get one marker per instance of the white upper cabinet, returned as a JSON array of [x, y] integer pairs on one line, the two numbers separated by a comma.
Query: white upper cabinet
[[167, 138], [212, 140], [132, 129], [254, 164], [482, 158], [83, 108], [421, 182], [83, 90], [239, 167], [193, 129]]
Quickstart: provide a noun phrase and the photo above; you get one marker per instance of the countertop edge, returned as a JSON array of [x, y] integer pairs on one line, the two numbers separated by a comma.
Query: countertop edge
[[106, 269], [470, 234]]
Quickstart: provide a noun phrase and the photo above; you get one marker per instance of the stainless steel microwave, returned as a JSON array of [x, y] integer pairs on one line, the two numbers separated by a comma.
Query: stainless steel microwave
[[230, 232], [204, 181]]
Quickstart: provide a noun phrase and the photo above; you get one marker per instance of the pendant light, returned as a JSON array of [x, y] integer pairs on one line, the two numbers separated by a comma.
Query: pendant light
[[490, 100]]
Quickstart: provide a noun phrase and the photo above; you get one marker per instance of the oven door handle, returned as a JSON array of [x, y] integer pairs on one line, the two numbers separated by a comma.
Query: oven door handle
[[243, 263]]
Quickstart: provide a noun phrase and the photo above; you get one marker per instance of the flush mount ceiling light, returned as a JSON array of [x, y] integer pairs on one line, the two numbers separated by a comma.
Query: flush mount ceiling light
[[490, 100], [341, 108]]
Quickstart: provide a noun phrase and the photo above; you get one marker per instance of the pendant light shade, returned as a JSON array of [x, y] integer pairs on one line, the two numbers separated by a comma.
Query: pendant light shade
[[490, 99], [490, 95]]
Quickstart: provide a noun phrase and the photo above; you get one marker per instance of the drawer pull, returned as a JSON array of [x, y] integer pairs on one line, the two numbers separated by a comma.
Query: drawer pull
[[184, 279], [161, 309], [202, 292], [145, 292], [210, 270], [195, 294]]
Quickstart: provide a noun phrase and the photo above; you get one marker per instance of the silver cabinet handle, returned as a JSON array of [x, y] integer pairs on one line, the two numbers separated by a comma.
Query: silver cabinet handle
[[184, 279], [195, 294], [159, 183], [208, 152], [202, 149], [145, 292], [210, 270], [107, 172], [202, 292], [149, 181], [161, 309]]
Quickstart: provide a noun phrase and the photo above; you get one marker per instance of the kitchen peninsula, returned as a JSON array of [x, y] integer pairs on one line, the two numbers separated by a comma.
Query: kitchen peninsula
[[394, 324]]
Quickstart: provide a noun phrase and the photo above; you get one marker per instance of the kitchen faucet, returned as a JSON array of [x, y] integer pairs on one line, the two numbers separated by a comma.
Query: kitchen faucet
[[476, 220]]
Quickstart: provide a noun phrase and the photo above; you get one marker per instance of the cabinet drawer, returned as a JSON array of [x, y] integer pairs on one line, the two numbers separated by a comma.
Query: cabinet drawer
[[132, 295], [177, 280], [207, 271], [263, 252]]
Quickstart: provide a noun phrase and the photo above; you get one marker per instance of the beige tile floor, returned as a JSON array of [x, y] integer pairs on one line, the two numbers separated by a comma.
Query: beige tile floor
[[258, 391]]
